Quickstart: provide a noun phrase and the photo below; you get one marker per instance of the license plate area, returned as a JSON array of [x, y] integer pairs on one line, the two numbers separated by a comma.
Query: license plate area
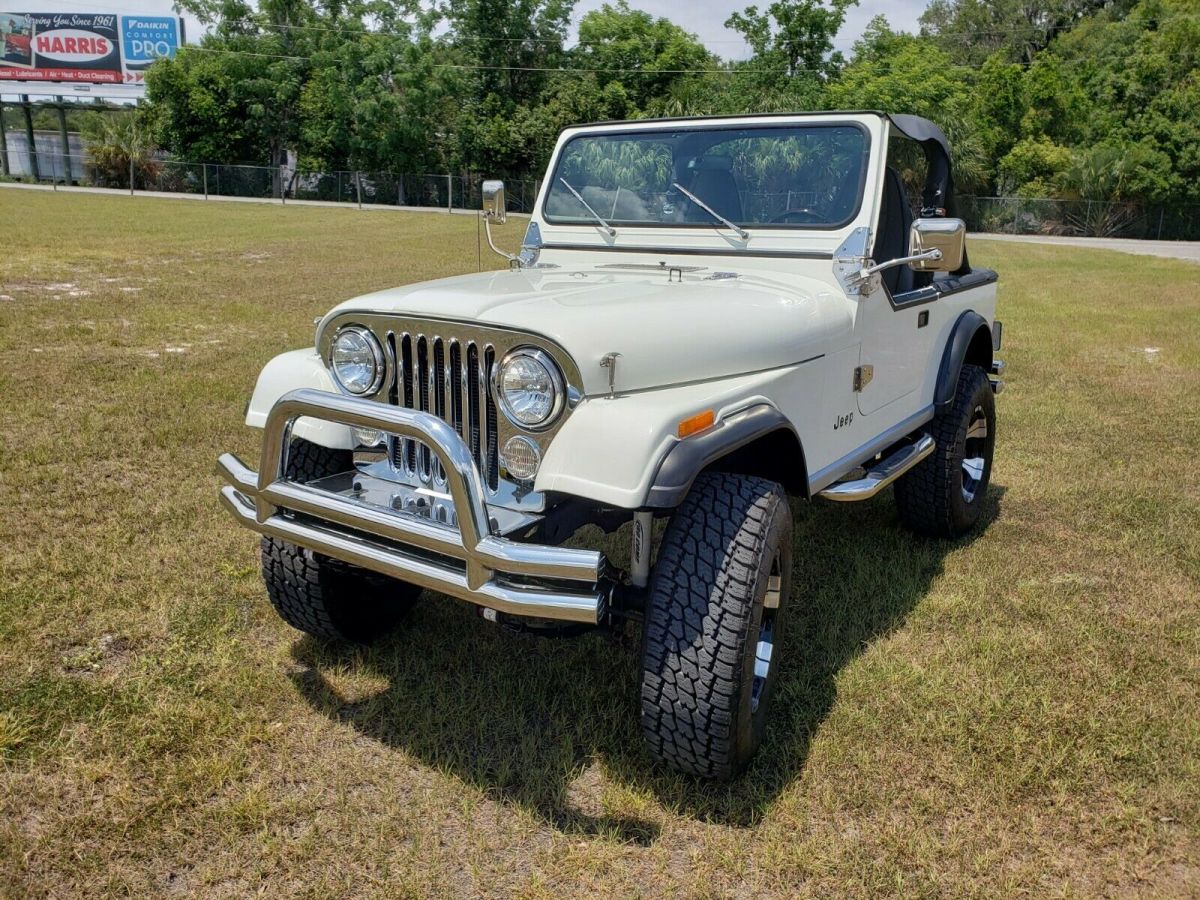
[[420, 502]]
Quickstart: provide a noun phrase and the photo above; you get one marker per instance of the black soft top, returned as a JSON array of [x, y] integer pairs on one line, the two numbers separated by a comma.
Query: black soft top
[[937, 198]]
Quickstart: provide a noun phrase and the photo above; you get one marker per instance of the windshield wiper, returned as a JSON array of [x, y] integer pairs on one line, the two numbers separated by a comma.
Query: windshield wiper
[[612, 232], [741, 232]]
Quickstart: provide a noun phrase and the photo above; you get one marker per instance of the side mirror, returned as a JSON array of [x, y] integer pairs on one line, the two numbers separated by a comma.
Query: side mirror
[[494, 206], [948, 236]]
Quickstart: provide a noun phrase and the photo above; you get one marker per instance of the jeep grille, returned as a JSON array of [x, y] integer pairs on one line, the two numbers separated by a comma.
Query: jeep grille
[[449, 378]]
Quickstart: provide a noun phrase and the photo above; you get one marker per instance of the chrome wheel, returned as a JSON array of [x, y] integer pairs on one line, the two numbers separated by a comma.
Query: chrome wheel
[[765, 647], [974, 462]]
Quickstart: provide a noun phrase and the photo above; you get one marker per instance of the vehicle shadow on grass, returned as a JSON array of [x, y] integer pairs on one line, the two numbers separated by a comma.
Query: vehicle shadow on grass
[[524, 718]]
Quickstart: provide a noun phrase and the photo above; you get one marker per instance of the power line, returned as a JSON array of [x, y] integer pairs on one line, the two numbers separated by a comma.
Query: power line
[[476, 66], [558, 41], [733, 69]]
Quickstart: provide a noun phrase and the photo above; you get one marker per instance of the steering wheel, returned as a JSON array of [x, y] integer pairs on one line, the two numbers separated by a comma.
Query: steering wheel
[[811, 215]]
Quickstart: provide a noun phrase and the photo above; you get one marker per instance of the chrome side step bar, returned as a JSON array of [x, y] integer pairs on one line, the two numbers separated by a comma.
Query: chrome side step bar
[[883, 474], [997, 370]]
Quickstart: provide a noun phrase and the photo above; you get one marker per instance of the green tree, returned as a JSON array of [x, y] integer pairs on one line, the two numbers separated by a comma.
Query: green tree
[[512, 42], [1137, 79], [382, 104], [973, 30], [794, 36], [646, 55], [114, 142], [1035, 167], [904, 73], [999, 106], [793, 57]]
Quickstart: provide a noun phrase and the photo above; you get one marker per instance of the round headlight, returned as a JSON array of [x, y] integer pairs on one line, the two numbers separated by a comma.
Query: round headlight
[[529, 388], [357, 360], [520, 456]]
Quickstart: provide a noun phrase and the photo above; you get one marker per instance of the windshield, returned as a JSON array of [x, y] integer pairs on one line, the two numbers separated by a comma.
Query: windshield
[[779, 176]]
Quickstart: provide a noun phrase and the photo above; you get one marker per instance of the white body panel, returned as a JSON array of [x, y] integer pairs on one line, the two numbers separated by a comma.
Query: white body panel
[[603, 455], [783, 331], [287, 372]]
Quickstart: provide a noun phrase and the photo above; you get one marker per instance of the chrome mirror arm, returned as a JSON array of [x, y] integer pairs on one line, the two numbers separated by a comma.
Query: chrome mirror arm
[[487, 230], [925, 256], [858, 274]]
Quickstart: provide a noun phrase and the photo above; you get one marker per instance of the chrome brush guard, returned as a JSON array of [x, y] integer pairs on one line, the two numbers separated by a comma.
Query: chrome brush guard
[[461, 556]]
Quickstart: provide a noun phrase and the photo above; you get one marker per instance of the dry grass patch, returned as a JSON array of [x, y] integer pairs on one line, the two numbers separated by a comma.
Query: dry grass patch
[[1014, 713]]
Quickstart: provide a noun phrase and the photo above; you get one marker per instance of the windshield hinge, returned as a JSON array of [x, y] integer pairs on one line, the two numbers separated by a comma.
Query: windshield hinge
[[851, 260]]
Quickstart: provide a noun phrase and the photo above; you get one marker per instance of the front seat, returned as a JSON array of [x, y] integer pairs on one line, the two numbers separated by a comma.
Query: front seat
[[712, 181], [895, 221]]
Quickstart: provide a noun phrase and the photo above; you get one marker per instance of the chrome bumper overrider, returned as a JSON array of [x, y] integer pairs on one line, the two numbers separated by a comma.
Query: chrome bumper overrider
[[467, 561]]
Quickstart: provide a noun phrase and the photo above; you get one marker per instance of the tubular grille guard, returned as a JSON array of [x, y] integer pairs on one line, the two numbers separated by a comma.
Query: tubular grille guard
[[262, 501]]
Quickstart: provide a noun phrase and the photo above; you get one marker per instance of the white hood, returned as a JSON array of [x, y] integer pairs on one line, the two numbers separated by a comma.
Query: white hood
[[665, 332]]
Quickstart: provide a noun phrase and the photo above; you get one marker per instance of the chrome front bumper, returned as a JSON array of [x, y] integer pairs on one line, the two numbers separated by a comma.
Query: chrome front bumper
[[467, 561]]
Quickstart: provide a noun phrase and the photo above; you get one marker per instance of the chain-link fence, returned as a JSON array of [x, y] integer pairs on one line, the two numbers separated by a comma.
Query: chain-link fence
[[1081, 218], [1007, 215], [282, 183]]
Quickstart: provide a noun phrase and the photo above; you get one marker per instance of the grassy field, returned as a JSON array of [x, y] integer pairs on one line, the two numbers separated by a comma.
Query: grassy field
[[1014, 713]]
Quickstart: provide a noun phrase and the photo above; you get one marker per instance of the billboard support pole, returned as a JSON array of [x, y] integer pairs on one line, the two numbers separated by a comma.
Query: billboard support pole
[[33, 160], [66, 143], [3, 144], [130, 174], [204, 166]]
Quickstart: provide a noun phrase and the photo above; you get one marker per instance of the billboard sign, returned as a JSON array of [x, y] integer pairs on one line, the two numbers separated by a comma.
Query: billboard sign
[[145, 39], [83, 48]]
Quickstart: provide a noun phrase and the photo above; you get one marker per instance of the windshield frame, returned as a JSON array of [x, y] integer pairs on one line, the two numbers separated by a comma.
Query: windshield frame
[[639, 128]]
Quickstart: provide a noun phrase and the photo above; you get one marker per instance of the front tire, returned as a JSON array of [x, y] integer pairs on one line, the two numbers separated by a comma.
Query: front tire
[[943, 495], [321, 596], [718, 600]]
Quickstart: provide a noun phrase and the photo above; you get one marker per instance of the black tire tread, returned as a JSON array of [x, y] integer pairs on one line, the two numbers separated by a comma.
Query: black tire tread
[[702, 596], [320, 596], [925, 494]]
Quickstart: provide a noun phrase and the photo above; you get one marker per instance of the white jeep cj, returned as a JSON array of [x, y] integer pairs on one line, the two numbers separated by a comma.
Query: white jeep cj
[[708, 317]]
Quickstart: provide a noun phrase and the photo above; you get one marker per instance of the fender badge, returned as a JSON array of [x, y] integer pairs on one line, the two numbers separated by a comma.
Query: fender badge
[[609, 361]]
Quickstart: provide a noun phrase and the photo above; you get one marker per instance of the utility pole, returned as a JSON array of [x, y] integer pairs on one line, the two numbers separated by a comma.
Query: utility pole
[[3, 144], [66, 143], [33, 162]]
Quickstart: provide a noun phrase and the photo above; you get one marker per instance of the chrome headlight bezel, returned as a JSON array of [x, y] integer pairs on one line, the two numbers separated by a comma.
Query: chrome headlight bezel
[[558, 386], [377, 356]]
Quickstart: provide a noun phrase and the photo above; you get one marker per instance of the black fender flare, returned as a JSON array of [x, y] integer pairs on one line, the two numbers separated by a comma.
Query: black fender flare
[[962, 336], [688, 458]]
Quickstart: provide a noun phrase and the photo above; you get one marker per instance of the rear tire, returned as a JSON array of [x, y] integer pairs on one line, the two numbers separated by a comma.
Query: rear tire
[[943, 495], [321, 596], [718, 600]]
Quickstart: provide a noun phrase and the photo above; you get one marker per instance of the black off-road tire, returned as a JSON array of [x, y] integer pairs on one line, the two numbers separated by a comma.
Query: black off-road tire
[[937, 498], [321, 596], [704, 711]]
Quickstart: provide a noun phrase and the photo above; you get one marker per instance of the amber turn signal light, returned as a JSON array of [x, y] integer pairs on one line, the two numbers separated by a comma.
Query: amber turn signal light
[[697, 423]]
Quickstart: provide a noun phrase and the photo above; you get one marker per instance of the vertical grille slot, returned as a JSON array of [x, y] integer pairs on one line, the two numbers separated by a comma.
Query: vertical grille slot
[[458, 385], [449, 378], [473, 417], [424, 383], [491, 471], [438, 389], [405, 398]]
